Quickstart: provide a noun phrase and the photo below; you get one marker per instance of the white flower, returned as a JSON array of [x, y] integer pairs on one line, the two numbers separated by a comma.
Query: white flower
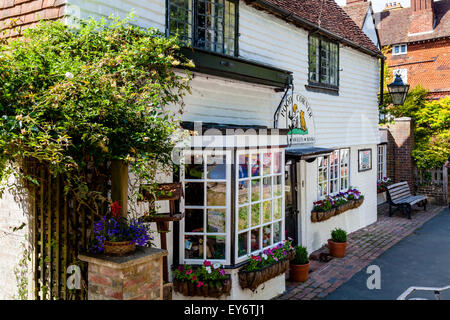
[[208, 269], [264, 256], [217, 265], [69, 75]]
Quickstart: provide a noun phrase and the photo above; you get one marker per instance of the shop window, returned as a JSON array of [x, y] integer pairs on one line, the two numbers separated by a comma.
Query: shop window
[[381, 163], [333, 173], [260, 200], [205, 24], [206, 181], [323, 62]]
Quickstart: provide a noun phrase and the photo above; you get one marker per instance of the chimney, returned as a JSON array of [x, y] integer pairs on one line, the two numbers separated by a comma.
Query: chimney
[[422, 16], [354, 1], [392, 6]]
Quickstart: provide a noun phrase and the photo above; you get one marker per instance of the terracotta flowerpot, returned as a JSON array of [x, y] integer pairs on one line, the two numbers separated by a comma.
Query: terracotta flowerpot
[[337, 249], [119, 248], [299, 272]]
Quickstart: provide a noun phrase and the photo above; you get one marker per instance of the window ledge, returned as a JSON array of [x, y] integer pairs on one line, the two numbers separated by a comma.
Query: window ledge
[[317, 87]]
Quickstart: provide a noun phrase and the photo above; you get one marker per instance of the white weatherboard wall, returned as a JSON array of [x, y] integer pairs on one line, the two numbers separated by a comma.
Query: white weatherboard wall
[[349, 119]]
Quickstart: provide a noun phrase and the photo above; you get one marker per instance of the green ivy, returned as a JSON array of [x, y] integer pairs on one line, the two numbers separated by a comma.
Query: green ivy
[[431, 127], [105, 90]]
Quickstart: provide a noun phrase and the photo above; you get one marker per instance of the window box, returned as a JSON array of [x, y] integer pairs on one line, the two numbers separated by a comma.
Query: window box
[[211, 290], [252, 279], [333, 206]]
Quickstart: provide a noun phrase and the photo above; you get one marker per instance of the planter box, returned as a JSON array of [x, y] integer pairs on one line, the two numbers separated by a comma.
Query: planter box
[[207, 290], [252, 279], [381, 198], [317, 216]]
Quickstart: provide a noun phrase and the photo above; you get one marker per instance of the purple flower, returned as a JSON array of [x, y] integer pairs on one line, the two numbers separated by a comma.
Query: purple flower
[[222, 272]]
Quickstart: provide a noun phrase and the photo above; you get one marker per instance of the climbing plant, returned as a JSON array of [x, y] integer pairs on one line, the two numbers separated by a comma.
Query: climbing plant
[[103, 90]]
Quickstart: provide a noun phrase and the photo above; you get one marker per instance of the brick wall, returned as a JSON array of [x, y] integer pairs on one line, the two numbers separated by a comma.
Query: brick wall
[[400, 166], [435, 193], [15, 15], [427, 64]]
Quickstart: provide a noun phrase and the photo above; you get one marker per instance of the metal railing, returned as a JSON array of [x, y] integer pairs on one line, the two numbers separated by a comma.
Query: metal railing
[[411, 290]]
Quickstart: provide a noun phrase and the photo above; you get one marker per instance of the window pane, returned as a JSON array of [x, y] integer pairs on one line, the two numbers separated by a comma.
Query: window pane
[[216, 193], [256, 213], [325, 62], [277, 185], [243, 244], [267, 211], [313, 59], [277, 232], [193, 167], [255, 165], [216, 167], [278, 209], [267, 231], [267, 163], [243, 166], [243, 218], [215, 247], [243, 191], [216, 220], [194, 220], [267, 187], [193, 247], [180, 19], [194, 194], [254, 243], [256, 189], [278, 165]]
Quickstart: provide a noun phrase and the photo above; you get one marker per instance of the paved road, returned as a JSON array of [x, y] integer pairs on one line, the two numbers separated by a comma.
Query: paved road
[[422, 259]]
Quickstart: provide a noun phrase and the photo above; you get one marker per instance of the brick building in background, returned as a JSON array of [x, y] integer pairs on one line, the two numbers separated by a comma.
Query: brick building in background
[[419, 38]]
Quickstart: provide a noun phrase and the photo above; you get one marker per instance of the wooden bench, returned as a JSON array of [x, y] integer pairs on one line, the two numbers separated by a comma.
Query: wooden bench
[[400, 196]]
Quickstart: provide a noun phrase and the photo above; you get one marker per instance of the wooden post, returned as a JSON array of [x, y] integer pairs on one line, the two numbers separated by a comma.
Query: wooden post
[[119, 185]]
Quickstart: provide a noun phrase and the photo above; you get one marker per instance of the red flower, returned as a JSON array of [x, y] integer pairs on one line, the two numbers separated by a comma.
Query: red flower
[[194, 277], [199, 284], [207, 263], [115, 208]]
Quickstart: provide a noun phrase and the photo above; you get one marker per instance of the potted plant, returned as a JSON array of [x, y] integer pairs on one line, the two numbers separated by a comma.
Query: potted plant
[[382, 184], [118, 235], [299, 266], [338, 243], [208, 280], [265, 266]]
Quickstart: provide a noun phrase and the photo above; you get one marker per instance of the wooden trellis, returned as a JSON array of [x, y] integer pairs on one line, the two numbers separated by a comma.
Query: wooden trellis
[[63, 227]]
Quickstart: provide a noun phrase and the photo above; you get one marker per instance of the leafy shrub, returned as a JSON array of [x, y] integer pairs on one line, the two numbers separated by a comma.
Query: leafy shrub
[[97, 93], [301, 255], [339, 235]]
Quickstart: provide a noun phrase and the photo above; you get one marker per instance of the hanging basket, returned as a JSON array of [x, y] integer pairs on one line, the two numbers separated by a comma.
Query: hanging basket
[[210, 290], [119, 248], [358, 202], [318, 216], [252, 279]]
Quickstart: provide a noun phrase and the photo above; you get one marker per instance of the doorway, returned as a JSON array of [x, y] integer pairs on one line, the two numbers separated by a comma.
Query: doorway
[[291, 200]]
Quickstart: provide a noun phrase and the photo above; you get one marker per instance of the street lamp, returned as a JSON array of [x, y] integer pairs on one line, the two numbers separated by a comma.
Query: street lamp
[[398, 90]]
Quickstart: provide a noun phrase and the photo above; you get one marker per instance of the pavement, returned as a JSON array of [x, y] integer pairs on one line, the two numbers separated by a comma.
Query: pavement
[[346, 278], [421, 259]]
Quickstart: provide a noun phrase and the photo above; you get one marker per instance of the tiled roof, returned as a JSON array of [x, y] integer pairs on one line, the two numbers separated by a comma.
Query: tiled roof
[[357, 11], [393, 25], [324, 13]]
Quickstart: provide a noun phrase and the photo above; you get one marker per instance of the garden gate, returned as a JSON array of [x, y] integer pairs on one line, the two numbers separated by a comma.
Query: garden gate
[[63, 224]]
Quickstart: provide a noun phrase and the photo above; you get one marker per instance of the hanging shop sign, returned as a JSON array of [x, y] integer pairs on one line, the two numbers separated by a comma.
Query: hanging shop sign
[[297, 116]]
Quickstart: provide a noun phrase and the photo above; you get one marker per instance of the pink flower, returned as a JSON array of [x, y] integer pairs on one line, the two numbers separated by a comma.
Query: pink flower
[[189, 272], [194, 277], [207, 263], [199, 284]]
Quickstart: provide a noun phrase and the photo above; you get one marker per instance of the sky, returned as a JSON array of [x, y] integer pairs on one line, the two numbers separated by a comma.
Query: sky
[[378, 5]]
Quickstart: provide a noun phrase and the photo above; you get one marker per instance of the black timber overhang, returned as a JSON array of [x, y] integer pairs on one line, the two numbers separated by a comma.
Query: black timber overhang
[[237, 68], [306, 152]]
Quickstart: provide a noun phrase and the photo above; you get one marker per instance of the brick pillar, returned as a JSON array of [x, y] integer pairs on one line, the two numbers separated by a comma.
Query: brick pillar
[[133, 277], [400, 166]]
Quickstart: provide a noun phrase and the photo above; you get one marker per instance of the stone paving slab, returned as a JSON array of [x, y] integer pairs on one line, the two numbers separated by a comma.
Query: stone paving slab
[[363, 246]]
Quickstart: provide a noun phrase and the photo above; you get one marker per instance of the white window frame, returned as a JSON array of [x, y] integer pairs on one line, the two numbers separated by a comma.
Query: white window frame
[[399, 46], [205, 233], [273, 198], [329, 179], [381, 161]]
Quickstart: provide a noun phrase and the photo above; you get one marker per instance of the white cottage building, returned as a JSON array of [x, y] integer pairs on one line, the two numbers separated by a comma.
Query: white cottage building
[[287, 92]]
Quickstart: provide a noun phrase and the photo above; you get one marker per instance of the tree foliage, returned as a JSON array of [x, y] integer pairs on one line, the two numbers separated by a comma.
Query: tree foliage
[[431, 128], [105, 90]]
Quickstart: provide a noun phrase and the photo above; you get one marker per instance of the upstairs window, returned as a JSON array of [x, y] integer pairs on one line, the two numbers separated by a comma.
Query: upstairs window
[[205, 24], [323, 62], [399, 49]]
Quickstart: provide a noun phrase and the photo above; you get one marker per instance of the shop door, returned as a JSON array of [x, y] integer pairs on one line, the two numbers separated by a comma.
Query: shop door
[[291, 220]]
